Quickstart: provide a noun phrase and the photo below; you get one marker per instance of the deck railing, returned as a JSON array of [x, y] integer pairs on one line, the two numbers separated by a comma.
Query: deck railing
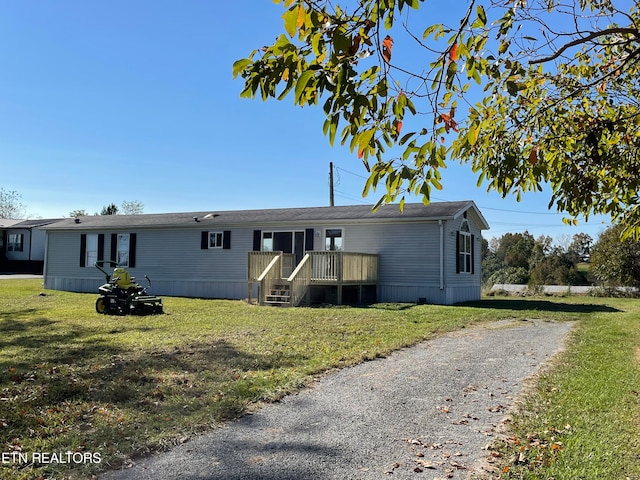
[[299, 280], [267, 268], [270, 276], [257, 263], [316, 268], [344, 267]]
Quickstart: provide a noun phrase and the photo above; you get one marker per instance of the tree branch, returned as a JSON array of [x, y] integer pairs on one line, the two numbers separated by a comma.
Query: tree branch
[[588, 38]]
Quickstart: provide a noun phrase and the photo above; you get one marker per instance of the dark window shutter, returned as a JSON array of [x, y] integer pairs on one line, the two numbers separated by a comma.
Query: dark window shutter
[[21, 242], [457, 252], [204, 240], [100, 246], [132, 250], [83, 250], [226, 240], [308, 240], [114, 247], [473, 257], [257, 240]]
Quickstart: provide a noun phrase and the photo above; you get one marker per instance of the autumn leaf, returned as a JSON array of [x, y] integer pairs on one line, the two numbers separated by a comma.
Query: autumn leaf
[[355, 45], [302, 16], [533, 156], [387, 44], [453, 52], [397, 124], [449, 123]]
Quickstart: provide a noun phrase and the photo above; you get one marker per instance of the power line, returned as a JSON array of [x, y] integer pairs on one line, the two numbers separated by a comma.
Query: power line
[[350, 197], [351, 173], [480, 206]]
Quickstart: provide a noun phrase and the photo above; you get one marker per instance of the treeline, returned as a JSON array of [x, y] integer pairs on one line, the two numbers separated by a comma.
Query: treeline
[[519, 258]]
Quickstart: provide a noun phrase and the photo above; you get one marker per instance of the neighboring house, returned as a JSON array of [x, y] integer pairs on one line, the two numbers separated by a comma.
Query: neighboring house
[[425, 253], [22, 245]]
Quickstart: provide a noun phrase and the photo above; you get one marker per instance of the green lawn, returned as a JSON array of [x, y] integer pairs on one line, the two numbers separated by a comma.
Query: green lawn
[[116, 387]]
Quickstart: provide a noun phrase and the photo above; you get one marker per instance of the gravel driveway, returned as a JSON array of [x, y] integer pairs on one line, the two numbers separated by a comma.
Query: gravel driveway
[[424, 412]]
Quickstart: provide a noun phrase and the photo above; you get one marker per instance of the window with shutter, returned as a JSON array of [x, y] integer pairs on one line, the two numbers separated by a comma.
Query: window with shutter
[[464, 247]]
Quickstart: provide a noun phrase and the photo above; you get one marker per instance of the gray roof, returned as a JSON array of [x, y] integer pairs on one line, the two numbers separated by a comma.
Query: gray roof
[[40, 222], [433, 211], [8, 222]]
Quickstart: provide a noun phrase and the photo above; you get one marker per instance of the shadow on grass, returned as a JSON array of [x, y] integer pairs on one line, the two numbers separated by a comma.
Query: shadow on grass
[[74, 380], [540, 305], [69, 363]]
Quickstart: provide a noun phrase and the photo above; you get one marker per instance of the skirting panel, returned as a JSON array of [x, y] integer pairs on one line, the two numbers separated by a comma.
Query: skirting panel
[[239, 290], [177, 288], [433, 295]]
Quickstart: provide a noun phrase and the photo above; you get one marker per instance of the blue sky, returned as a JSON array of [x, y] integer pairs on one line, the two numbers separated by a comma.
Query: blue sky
[[102, 102]]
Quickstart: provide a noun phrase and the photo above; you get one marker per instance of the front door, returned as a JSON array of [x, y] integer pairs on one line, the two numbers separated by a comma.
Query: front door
[[289, 242], [283, 241]]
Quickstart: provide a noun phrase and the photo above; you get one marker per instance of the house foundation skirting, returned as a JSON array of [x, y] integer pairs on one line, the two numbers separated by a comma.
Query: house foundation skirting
[[238, 290], [431, 294], [173, 288]]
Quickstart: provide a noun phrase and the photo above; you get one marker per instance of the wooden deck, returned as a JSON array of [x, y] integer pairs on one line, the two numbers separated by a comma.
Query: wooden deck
[[283, 283]]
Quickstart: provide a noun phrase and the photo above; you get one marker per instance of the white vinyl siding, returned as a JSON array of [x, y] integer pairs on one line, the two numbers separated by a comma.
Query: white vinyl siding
[[180, 263]]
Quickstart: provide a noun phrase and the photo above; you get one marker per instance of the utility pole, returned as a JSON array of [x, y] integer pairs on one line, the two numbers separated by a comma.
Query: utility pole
[[331, 184]]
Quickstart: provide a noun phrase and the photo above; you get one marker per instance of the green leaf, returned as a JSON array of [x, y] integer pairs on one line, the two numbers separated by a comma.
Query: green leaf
[[472, 135], [481, 15], [333, 127], [290, 18], [341, 40], [451, 74], [301, 85], [380, 201], [431, 29], [240, 65], [363, 139], [406, 137], [512, 88]]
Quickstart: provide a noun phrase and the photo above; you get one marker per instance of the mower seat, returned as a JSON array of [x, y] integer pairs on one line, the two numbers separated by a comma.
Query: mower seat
[[122, 278]]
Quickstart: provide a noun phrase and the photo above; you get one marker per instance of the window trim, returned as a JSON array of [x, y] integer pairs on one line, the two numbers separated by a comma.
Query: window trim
[[341, 249], [465, 261], [118, 249], [83, 249], [131, 260], [225, 240], [213, 235], [17, 241], [87, 252]]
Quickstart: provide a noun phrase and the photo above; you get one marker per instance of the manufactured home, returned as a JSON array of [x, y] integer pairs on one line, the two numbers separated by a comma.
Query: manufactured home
[[290, 256], [22, 245]]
